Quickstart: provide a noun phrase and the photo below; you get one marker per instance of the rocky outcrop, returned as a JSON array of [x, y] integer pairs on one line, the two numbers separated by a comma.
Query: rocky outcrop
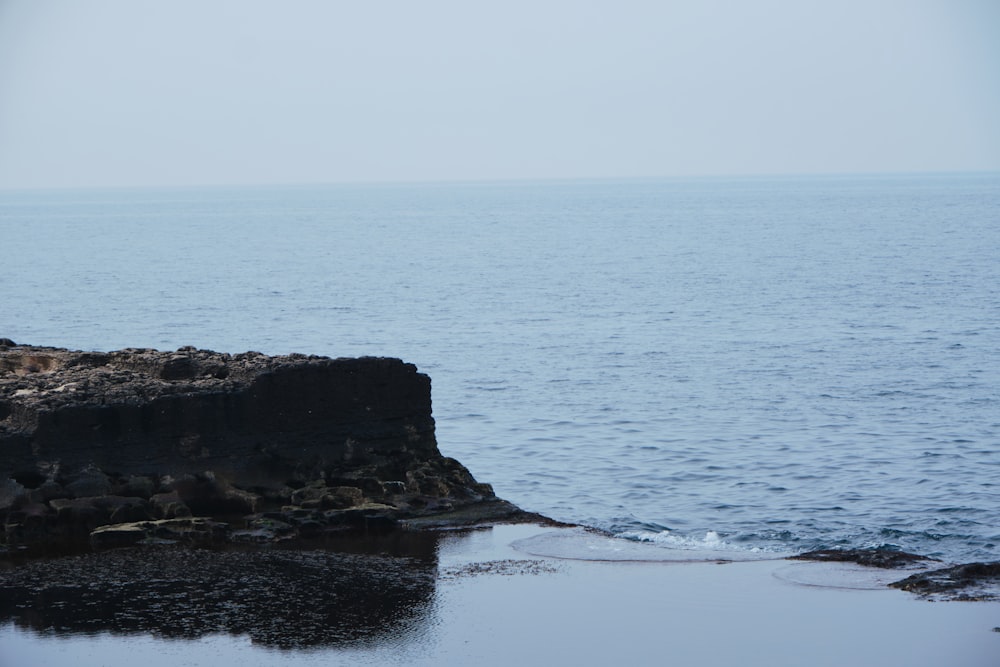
[[881, 558], [275, 446], [971, 581]]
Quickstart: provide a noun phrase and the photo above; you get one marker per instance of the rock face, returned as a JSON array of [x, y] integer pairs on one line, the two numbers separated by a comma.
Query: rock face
[[296, 442]]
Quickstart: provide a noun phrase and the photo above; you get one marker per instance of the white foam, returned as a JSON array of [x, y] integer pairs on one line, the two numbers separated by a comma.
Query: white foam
[[666, 538]]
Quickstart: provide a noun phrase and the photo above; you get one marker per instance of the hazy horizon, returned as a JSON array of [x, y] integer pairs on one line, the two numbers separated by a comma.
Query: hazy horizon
[[505, 181], [112, 93]]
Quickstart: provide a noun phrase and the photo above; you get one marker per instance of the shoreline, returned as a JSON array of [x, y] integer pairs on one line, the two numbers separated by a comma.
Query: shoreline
[[473, 596]]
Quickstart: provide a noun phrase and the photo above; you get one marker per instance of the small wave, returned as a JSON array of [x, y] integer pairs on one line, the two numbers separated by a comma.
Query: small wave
[[711, 540], [640, 546]]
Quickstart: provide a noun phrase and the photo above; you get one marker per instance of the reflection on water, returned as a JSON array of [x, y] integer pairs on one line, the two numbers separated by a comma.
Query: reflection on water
[[333, 594]]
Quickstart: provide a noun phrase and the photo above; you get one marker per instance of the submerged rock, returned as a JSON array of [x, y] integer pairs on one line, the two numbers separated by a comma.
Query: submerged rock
[[292, 598], [138, 436]]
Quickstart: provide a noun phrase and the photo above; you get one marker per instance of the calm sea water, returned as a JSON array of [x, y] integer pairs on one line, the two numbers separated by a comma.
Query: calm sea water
[[733, 364]]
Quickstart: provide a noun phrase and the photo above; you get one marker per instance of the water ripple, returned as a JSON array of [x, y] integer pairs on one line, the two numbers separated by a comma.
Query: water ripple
[[815, 354]]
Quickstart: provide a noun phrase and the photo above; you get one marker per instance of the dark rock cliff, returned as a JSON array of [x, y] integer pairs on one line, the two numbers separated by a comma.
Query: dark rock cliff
[[150, 439]]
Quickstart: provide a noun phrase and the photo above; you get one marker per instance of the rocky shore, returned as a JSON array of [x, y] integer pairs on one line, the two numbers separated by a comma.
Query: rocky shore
[[139, 445]]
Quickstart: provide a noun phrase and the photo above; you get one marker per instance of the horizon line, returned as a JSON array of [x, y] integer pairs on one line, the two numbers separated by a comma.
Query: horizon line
[[500, 180]]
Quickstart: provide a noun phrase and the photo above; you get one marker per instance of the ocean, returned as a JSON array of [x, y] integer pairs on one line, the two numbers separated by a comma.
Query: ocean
[[740, 365]]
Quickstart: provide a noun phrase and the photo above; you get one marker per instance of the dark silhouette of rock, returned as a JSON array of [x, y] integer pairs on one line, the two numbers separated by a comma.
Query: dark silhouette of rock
[[89, 439], [884, 558]]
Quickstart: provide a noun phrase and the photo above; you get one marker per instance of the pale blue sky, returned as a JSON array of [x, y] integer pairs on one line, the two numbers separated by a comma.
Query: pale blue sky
[[136, 92]]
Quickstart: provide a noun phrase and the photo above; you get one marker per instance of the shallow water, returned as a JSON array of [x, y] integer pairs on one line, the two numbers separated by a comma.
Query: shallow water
[[470, 598], [753, 364]]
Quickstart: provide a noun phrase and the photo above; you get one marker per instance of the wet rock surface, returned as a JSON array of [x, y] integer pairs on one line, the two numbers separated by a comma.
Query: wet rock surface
[[883, 558], [320, 595], [262, 448], [972, 581]]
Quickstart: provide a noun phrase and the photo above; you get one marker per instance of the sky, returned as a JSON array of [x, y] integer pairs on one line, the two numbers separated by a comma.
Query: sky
[[187, 92]]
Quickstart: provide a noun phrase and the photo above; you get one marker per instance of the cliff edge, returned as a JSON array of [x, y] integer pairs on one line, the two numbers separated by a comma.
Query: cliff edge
[[195, 445]]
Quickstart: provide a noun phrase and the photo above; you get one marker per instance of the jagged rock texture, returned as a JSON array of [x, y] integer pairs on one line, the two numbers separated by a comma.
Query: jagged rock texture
[[94, 438]]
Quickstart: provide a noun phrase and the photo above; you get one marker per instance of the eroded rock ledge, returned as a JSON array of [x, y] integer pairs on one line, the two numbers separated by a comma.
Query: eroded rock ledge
[[194, 445]]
